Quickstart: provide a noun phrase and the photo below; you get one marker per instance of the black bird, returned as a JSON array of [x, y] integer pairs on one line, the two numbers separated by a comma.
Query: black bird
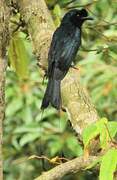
[[64, 46]]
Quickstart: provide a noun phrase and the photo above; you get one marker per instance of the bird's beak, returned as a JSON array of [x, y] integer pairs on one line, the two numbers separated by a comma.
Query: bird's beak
[[87, 18]]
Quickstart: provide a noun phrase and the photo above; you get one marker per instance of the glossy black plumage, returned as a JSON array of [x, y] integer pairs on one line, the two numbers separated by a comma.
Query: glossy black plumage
[[64, 46]]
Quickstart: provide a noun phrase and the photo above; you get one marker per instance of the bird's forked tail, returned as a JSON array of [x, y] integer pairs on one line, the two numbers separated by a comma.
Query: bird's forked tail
[[52, 94]]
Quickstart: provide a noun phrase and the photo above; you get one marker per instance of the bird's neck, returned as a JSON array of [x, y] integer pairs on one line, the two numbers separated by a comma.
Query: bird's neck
[[70, 25]]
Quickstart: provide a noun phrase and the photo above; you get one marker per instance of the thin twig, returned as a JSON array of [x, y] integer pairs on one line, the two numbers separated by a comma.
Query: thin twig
[[55, 160]]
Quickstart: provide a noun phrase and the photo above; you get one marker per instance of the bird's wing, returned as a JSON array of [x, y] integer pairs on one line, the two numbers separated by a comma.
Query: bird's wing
[[52, 51], [69, 49], [64, 46]]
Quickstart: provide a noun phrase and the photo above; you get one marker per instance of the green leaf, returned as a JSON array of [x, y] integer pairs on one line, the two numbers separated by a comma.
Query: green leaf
[[74, 146], [101, 123], [32, 128], [108, 165], [18, 55], [15, 143], [95, 129], [27, 114], [112, 127], [14, 106], [28, 138], [55, 147], [104, 136], [57, 10], [57, 13], [89, 133], [42, 115], [55, 144]]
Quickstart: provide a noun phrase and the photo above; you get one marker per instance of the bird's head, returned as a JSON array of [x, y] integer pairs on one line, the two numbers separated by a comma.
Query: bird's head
[[77, 17]]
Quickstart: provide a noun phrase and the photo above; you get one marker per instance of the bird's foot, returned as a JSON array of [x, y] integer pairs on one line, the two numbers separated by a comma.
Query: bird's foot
[[74, 67], [41, 66], [63, 109]]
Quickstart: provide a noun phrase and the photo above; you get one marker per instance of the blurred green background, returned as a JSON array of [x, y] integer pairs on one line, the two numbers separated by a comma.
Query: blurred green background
[[28, 131]]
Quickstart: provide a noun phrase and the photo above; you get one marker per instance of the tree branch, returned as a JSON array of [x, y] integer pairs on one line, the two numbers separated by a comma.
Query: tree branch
[[69, 167]]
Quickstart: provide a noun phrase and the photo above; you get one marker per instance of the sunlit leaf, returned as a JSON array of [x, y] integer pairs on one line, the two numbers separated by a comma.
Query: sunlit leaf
[[112, 127], [32, 128], [57, 14], [14, 106], [108, 165], [18, 55], [57, 10], [89, 133], [55, 147], [74, 146], [104, 136], [28, 138]]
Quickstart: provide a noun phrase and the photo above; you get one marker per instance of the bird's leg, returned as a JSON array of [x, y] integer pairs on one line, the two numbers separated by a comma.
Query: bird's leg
[[41, 66], [72, 66], [63, 109]]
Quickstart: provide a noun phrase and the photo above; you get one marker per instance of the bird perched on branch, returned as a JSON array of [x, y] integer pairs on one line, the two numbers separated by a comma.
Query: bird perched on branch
[[64, 46]]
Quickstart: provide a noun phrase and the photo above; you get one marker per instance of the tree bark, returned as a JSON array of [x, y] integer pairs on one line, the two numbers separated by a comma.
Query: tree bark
[[73, 166], [4, 14]]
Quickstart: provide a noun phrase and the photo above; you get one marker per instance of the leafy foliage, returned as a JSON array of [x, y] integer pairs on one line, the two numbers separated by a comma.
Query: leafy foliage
[[102, 128], [106, 132], [108, 165], [27, 131], [19, 54]]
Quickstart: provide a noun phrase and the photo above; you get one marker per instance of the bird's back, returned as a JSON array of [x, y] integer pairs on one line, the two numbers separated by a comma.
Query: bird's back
[[65, 43]]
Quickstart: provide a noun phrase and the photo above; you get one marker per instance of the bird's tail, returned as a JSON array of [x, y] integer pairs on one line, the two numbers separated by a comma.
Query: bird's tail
[[52, 94]]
